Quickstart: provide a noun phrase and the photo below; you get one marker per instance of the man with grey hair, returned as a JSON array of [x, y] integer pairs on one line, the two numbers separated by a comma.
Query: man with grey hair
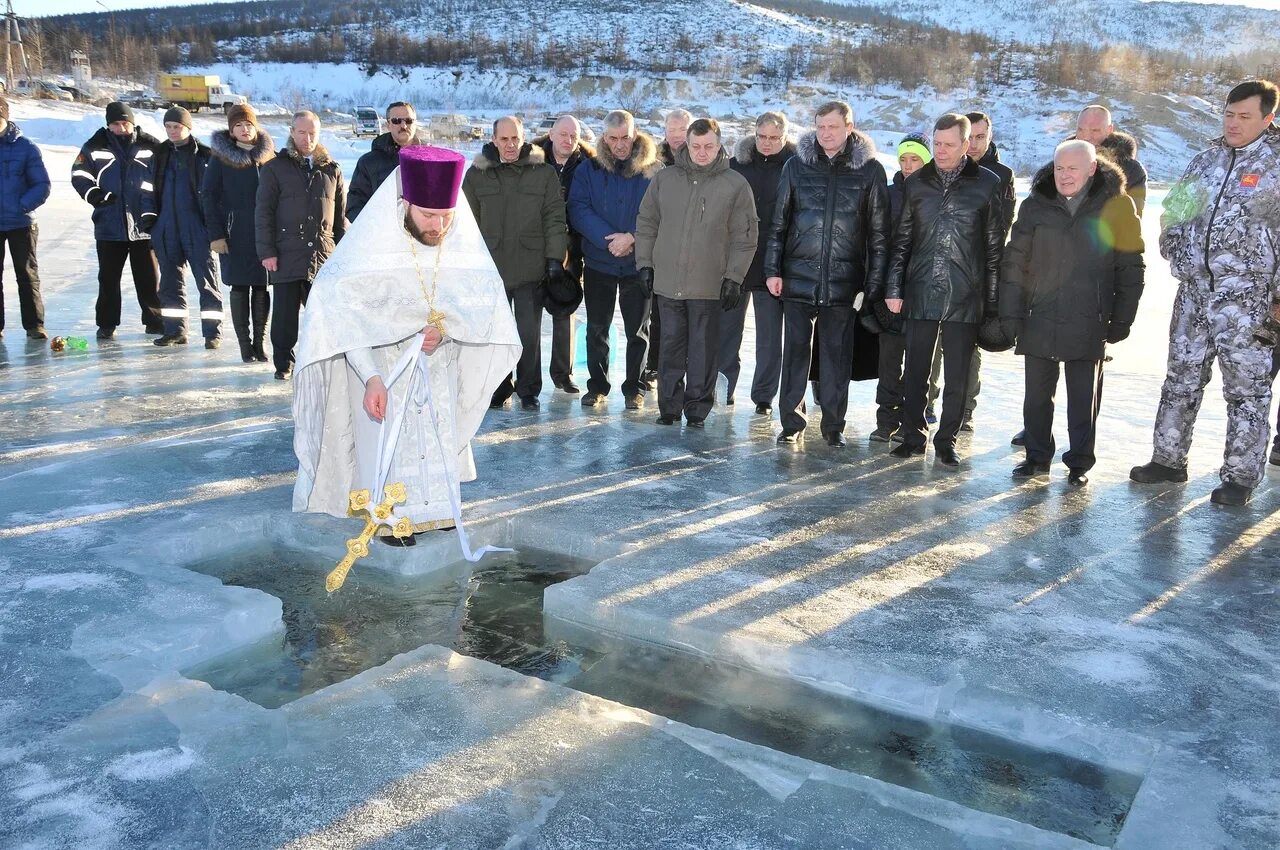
[[675, 133], [1055, 262], [299, 217], [565, 151], [1094, 125], [943, 275], [604, 201], [759, 158]]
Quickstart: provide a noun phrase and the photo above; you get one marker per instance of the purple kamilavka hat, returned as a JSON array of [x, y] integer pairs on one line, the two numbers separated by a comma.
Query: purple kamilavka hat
[[430, 176]]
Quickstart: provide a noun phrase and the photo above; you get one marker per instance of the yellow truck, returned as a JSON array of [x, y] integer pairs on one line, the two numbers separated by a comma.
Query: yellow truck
[[197, 91]]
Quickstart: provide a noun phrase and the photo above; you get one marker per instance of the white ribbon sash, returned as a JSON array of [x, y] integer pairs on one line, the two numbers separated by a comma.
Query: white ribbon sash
[[389, 434]]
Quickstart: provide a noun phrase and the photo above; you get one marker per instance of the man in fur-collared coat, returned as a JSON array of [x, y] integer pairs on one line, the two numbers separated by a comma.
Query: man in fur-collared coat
[[300, 215], [1070, 281], [824, 251], [603, 204], [515, 196], [1095, 127]]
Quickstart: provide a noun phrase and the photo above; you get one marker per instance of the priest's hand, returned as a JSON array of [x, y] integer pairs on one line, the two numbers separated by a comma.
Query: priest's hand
[[271, 264], [774, 285], [375, 398], [431, 339], [894, 304]]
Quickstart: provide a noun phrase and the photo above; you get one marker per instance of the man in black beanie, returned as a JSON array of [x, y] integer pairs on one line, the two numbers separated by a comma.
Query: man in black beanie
[[180, 236], [113, 173]]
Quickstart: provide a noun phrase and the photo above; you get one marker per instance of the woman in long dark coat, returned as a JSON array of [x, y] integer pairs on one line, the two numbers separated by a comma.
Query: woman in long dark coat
[[230, 190]]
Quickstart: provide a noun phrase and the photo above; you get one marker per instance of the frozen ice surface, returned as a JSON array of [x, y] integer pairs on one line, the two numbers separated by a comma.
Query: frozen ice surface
[[1134, 626]]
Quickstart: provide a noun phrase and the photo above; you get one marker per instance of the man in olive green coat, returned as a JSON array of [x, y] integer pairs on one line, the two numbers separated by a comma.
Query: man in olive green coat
[[695, 237], [515, 195]]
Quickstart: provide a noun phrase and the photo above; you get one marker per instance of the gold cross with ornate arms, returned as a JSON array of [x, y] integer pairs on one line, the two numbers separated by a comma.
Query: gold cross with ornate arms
[[358, 547]]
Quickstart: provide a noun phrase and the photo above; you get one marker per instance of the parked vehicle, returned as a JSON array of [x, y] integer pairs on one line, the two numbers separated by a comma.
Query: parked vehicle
[[367, 122], [41, 89], [143, 99], [197, 91], [454, 126], [78, 95]]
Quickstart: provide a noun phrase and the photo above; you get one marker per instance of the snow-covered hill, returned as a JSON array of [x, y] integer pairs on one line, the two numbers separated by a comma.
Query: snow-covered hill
[[1197, 28]]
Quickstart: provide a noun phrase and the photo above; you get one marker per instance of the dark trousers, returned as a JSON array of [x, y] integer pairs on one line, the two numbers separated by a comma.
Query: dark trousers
[[959, 339], [729, 358], [602, 292], [290, 298], [889, 387], [250, 304], [1084, 399], [22, 247], [655, 338], [835, 364], [173, 258], [561, 349], [768, 315], [687, 365], [142, 263], [526, 302]]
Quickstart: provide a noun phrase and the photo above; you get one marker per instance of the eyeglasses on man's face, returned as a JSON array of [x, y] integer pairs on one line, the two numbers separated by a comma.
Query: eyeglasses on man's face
[[401, 121]]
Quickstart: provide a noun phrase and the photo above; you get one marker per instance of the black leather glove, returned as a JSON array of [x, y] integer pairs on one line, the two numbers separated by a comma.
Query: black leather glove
[[1012, 328], [730, 294], [1118, 331], [645, 276], [555, 272], [100, 197], [146, 221], [991, 310]]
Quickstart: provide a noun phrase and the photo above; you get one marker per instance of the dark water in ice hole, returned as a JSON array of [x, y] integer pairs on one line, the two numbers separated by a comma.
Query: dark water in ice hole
[[496, 614]]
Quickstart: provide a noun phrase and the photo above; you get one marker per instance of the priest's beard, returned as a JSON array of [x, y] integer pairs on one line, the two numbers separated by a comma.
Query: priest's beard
[[431, 240]]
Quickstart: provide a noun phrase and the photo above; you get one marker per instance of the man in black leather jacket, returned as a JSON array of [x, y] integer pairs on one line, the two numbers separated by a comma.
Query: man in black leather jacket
[[828, 244], [943, 274]]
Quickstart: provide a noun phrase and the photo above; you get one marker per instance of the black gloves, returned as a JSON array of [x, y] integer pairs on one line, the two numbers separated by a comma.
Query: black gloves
[[555, 272], [1012, 328], [645, 276], [991, 310], [730, 294], [146, 221], [1118, 331], [100, 197]]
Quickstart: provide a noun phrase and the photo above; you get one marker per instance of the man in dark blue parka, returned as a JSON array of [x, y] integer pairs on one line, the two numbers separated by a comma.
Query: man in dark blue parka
[[24, 185], [114, 174], [180, 237]]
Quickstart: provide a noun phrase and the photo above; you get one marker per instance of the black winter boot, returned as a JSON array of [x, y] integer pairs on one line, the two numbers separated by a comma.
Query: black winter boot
[[240, 321], [261, 309]]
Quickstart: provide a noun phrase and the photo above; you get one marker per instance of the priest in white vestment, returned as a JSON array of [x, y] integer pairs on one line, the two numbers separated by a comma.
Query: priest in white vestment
[[408, 324]]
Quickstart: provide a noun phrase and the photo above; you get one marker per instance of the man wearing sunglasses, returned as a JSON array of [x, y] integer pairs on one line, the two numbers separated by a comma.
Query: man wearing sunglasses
[[383, 156]]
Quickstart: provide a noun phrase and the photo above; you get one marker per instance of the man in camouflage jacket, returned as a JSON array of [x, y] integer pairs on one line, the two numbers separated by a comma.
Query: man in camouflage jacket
[[1222, 240]]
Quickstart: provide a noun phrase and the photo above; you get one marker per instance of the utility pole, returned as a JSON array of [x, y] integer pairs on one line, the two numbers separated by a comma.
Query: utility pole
[[115, 51], [12, 38]]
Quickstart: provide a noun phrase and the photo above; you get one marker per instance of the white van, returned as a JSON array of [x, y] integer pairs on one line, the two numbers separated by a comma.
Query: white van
[[367, 122]]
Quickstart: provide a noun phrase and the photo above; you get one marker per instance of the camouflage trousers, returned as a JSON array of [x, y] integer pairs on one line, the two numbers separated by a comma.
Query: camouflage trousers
[[1218, 325]]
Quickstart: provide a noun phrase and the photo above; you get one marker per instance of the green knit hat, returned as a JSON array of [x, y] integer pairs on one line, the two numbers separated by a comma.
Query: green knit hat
[[918, 144]]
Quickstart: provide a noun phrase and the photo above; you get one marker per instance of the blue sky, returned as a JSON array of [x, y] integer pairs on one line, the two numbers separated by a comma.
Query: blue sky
[[32, 8]]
